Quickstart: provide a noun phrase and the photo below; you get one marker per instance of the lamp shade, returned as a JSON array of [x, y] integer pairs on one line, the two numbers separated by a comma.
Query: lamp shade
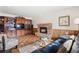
[[76, 21]]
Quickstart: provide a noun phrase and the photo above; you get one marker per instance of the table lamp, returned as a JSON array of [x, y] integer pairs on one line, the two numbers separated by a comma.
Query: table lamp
[[76, 21]]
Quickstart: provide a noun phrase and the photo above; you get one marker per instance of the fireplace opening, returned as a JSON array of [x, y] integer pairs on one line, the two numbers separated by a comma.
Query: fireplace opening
[[43, 30]]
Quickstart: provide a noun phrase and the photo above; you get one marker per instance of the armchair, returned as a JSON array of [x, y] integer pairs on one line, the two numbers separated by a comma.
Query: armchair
[[8, 43]]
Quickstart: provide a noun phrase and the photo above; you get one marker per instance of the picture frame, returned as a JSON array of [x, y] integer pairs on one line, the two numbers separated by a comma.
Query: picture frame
[[64, 21]]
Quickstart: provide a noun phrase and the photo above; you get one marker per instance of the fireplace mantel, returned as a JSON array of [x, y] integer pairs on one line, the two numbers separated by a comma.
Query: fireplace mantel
[[45, 25]]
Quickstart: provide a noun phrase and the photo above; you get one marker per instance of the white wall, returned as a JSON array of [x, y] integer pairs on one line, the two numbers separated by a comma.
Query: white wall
[[53, 18], [6, 14], [11, 15]]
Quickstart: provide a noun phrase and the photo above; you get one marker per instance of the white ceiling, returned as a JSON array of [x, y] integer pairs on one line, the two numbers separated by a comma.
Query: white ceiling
[[32, 11]]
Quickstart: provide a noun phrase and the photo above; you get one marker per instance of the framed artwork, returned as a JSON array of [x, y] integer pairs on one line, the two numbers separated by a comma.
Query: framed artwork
[[64, 21]]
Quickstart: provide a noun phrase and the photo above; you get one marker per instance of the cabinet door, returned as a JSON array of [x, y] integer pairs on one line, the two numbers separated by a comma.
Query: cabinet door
[[29, 22], [18, 20], [23, 21], [23, 32], [19, 33], [26, 22]]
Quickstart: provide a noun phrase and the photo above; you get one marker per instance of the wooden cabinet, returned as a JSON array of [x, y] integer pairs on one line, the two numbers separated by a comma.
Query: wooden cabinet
[[26, 23], [27, 26]]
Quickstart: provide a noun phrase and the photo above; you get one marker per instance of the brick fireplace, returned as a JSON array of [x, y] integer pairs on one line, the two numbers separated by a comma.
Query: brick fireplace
[[45, 28]]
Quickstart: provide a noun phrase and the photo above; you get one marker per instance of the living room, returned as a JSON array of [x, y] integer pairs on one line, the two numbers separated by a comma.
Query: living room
[[42, 29]]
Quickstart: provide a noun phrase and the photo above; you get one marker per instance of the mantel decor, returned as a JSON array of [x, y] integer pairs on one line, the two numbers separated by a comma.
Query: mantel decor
[[64, 21]]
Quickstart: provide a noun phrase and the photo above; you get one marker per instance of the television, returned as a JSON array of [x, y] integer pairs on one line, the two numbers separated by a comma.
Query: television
[[19, 26]]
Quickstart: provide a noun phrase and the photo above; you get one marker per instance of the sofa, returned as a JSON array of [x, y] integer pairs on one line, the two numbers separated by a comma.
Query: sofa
[[53, 46]]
